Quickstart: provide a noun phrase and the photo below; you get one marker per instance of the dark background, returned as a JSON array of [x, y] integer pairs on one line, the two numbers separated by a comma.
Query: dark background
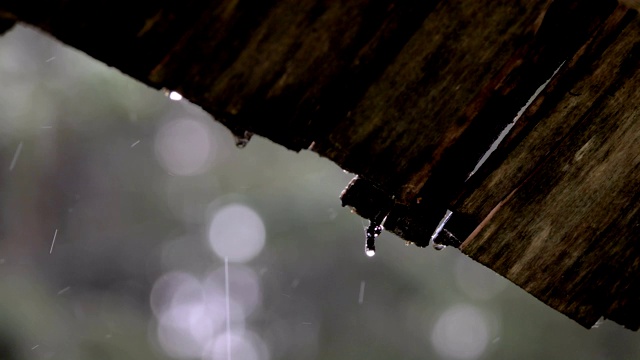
[[147, 196]]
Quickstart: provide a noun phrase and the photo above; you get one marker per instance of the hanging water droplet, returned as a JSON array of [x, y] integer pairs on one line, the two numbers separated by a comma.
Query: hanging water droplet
[[438, 246], [242, 138], [175, 96], [372, 231]]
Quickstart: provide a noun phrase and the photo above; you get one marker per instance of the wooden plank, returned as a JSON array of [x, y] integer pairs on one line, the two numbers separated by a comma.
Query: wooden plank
[[568, 232], [302, 65], [114, 32], [362, 81], [409, 95], [6, 24], [441, 141], [568, 97], [436, 64]]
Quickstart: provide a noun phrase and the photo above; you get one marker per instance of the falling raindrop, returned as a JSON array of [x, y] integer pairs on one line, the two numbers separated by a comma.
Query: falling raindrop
[[361, 296], [64, 290], [226, 292], [15, 156], [53, 242], [372, 231], [242, 138]]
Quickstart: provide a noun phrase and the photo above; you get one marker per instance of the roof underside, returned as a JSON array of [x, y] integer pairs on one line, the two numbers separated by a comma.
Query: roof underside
[[410, 95]]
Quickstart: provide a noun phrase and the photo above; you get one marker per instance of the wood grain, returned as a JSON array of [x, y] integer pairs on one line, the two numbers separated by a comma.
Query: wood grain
[[579, 200], [409, 95]]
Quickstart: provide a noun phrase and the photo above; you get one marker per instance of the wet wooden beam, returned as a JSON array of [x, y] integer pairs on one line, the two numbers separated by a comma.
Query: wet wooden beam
[[432, 144], [567, 193], [410, 95]]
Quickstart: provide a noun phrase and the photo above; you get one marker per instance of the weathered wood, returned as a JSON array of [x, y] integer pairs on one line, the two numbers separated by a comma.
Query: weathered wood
[[441, 143], [575, 195], [569, 95], [6, 24], [409, 95]]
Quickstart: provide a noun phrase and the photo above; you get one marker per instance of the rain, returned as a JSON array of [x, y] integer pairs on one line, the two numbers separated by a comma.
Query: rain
[[166, 241]]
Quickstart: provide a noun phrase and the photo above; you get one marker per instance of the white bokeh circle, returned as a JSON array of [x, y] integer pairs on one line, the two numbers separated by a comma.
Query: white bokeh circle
[[236, 232], [461, 332], [185, 147]]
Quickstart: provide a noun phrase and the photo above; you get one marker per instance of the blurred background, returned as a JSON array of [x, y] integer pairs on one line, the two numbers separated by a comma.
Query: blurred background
[[132, 228]]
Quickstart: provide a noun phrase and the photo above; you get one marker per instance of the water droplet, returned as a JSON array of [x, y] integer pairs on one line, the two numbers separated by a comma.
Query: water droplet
[[438, 246], [372, 231], [361, 296], [15, 156], [175, 96], [242, 138]]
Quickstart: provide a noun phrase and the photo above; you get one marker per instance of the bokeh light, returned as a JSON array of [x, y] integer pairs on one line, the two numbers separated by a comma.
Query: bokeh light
[[244, 287], [461, 332], [185, 147], [167, 286], [237, 233], [190, 313], [150, 195], [243, 345]]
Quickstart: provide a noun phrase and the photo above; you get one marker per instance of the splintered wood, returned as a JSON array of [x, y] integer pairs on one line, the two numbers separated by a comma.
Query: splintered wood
[[410, 95]]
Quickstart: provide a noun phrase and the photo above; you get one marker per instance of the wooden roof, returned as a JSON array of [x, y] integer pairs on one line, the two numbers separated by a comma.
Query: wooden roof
[[410, 95]]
